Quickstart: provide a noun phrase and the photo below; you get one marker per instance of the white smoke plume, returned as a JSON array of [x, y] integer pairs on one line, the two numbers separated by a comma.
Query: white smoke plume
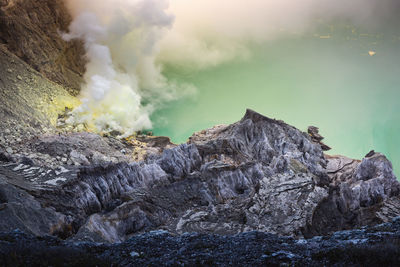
[[129, 41], [123, 82]]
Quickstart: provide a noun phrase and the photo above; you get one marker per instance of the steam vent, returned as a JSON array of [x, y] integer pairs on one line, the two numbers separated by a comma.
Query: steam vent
[[109, 155]]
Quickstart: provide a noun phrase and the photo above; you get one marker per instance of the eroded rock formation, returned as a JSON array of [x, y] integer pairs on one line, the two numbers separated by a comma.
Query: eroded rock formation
[[257, 174]]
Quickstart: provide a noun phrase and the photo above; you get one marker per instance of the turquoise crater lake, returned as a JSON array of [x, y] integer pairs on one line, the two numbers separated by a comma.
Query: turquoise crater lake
[[341, 78]]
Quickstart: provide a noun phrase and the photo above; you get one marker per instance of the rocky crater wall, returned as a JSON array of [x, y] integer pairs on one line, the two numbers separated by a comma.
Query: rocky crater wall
[[257, 174], [31, 30]]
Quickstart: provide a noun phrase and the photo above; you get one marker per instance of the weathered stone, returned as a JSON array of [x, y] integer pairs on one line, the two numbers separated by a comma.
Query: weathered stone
[[21, 211], [257, 174], [78, 158], [358, 190], [317, 138]]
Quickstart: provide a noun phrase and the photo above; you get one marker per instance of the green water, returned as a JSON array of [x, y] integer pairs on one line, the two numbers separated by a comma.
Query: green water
[[304, 80]]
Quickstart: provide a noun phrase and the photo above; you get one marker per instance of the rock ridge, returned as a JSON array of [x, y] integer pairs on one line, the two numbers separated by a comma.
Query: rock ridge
[[258, 174]]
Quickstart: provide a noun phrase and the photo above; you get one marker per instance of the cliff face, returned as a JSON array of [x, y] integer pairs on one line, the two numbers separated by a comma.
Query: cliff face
[[31, 30]]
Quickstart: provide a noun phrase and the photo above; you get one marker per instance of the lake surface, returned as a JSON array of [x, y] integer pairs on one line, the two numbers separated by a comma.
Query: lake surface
[[343, 79]]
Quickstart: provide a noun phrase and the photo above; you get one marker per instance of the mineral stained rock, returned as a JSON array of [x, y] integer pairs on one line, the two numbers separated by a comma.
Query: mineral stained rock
[[258, 174], [29, 103]]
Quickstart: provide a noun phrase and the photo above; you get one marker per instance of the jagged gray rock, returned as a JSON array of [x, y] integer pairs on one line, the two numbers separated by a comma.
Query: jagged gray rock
[[257, 174], [20, 210], [360, 193], [317, 138]]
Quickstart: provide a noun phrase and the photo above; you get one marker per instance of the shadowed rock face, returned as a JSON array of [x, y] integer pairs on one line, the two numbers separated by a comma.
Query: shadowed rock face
[[32, 29], [361, 193], [257, 174]]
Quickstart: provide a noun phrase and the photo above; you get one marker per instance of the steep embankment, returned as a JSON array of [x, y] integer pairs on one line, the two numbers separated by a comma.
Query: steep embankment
[[28, 98], [30, 29], [29, 103], [39, 71]]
